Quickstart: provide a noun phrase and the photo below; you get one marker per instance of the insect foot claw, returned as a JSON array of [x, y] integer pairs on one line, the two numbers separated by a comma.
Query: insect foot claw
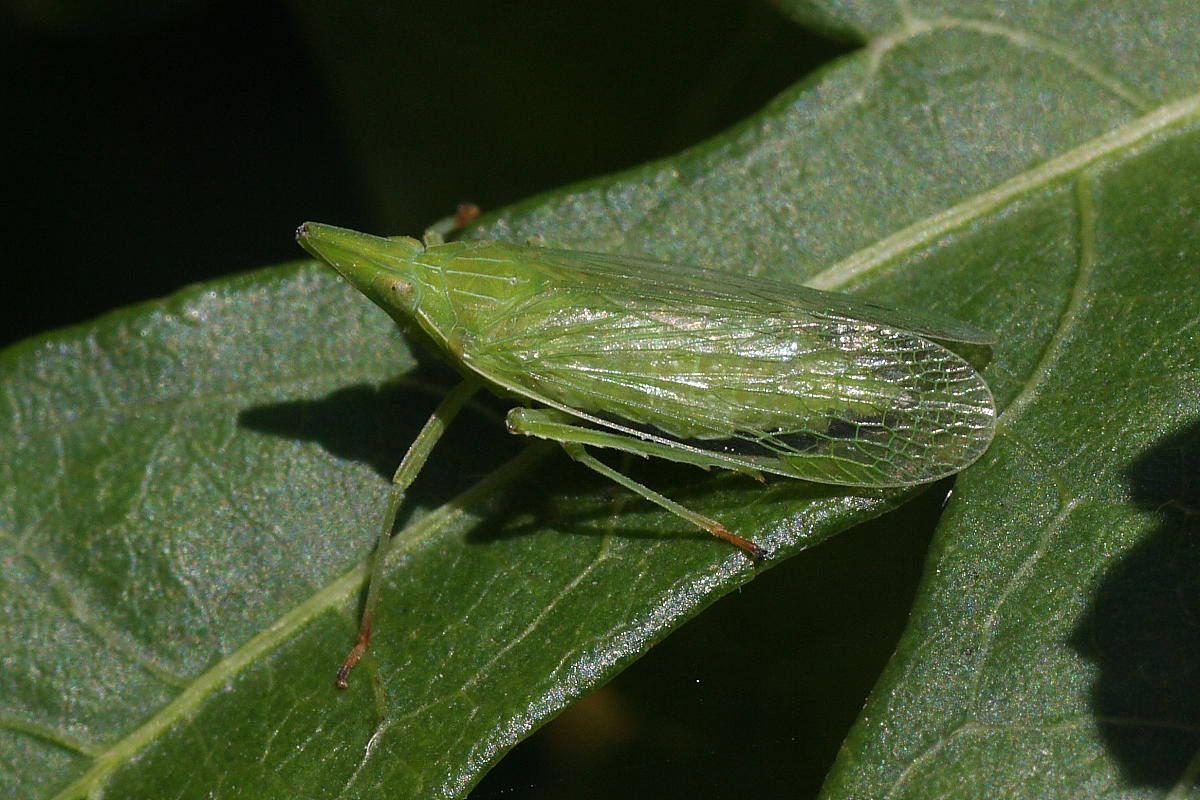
[[750, 548]]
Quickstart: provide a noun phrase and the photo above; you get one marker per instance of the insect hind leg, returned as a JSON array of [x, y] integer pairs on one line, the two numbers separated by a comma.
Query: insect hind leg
[[580, 454]]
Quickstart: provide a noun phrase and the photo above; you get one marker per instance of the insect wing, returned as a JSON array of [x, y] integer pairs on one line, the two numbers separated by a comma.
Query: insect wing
[[771, 294], [758, 374]]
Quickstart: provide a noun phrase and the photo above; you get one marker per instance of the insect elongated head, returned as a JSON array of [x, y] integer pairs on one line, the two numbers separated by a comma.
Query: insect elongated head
[[379, 267]]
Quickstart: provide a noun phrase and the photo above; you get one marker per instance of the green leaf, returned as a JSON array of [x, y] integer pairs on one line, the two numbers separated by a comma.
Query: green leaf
[[1057, 616], [192, 486]]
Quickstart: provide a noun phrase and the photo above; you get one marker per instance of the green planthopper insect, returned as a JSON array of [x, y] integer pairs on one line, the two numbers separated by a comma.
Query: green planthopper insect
[[690, 365]]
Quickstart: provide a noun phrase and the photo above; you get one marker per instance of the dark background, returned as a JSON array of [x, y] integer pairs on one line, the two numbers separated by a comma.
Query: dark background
[[155, 145]]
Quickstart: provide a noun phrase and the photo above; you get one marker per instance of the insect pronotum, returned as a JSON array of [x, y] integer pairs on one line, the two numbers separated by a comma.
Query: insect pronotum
[[701, 367]]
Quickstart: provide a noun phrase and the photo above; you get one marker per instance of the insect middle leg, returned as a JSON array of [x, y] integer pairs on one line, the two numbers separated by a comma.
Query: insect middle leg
[[543, 424]]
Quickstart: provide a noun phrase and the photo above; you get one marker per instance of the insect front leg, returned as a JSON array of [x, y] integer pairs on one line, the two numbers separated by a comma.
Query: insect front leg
[[556, 426], [436, 233], [410, 467]]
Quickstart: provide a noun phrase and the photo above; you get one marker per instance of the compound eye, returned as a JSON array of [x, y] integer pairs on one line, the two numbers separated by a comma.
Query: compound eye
[[403, 291]]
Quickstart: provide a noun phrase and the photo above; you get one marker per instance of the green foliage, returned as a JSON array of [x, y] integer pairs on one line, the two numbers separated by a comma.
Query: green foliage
[[191, 486]]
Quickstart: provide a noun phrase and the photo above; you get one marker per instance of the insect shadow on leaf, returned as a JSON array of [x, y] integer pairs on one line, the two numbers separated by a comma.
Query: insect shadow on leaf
[[367, 424]]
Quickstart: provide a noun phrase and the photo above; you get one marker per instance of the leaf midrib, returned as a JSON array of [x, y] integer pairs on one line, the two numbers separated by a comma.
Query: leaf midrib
[[890, 250]]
